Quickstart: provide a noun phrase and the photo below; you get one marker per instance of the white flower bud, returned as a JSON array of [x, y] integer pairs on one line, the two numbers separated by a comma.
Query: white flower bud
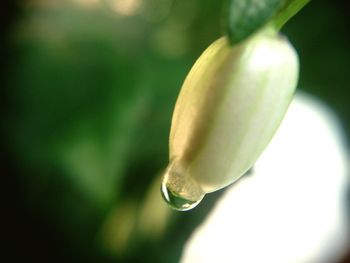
[[229, 107]]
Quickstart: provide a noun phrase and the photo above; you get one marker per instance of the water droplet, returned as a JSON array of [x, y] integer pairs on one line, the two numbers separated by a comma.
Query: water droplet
[[179, 190]]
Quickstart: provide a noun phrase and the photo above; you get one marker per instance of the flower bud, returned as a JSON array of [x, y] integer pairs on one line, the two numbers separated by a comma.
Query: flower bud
[[229, 107]]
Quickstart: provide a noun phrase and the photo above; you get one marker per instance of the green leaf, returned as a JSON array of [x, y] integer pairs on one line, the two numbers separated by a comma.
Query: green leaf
[[288, 10], [247, 16]]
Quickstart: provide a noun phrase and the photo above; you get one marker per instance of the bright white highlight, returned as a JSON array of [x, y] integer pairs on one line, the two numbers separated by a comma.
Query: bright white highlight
[[292, 208]]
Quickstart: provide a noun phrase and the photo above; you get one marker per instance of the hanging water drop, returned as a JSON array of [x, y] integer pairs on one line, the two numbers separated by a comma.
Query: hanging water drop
[[179, 190]]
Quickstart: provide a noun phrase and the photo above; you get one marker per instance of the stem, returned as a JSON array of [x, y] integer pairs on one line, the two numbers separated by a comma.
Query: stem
[[288, 10]]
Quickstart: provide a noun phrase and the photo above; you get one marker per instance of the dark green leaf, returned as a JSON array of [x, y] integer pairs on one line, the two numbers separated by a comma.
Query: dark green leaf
[[246, 16]]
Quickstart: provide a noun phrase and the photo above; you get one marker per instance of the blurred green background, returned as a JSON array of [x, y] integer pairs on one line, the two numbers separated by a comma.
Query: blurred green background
[[88, 88]]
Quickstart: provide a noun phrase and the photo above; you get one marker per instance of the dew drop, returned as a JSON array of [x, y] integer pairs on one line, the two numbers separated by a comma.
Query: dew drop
[[179, 190]]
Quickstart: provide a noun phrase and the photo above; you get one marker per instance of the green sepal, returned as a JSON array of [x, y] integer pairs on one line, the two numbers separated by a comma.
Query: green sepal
[[244, 17]]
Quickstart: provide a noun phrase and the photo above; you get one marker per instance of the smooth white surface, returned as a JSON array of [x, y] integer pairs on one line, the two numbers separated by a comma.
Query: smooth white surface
[[230, 105], [292, 208]]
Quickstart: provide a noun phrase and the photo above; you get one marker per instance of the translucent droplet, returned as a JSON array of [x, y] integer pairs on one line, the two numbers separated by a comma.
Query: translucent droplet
[[179, 190]]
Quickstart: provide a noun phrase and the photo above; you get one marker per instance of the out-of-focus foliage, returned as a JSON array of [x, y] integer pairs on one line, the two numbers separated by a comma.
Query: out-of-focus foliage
[[89, 90]]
